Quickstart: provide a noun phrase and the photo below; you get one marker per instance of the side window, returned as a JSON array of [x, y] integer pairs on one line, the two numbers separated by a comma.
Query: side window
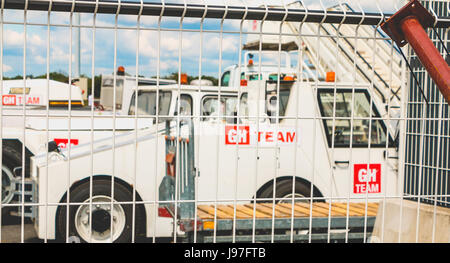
[[225, 111], [243, 106], [253, 76], [342, 120], [249, 109], [185, 106], [225, 80], [272, 100], [244, 109]]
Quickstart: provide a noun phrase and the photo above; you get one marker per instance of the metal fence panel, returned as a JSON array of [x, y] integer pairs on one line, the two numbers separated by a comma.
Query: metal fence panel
[[427, 133], [133, 121]]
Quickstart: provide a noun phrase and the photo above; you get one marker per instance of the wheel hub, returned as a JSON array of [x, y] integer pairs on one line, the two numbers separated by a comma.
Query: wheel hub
[[101, 220], [100, 213], [298, 198]]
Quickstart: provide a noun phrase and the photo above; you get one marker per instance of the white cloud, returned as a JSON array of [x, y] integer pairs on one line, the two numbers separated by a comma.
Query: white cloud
[[148, 41], [58, 54], [13, 38], [40, 60], [229, 44], [6, 68], [169, 65]]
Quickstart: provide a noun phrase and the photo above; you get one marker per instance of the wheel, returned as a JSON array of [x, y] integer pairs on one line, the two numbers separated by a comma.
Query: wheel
[[82, 219], [11, 159], [284, 190], [7, 184]]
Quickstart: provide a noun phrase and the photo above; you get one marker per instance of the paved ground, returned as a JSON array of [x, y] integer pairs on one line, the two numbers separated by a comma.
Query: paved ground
[[11, 230]]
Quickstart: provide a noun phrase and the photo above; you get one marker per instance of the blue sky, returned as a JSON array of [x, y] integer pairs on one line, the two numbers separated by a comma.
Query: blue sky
[[36, 58]]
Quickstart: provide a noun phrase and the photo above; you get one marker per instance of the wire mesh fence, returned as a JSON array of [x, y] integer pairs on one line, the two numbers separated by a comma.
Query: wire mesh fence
[[206, 121]]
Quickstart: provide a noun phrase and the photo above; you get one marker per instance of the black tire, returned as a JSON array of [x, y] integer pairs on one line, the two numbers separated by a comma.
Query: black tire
[[101, 187], [12, 158], [284, 190]]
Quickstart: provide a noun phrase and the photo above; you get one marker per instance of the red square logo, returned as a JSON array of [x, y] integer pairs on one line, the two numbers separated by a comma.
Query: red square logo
[[367, 178], [64, 143], [9, 100], [234, 135]]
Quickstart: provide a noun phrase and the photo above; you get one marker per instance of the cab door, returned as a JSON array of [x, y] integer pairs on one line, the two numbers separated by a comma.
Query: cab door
[[216, 162], [357, 144], [231, 166]]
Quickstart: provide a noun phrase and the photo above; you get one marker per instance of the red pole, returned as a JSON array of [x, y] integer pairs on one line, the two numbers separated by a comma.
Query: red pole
[[408, 24], [428, 54]]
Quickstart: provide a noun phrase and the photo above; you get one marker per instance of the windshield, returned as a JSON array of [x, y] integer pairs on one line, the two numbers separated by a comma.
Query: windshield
[[109, 82], [212, 112], [336, 110], [147, 103]]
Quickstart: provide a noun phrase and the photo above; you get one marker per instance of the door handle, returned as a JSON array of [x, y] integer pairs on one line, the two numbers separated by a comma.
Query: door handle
[[342, 162]]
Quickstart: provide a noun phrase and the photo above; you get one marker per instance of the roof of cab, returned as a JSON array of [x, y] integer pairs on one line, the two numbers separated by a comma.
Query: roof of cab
[[194, 88]]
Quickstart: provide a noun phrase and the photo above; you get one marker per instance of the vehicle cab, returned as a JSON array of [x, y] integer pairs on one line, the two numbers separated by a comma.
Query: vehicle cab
[[329, 135], [263, 65], [120, 88]]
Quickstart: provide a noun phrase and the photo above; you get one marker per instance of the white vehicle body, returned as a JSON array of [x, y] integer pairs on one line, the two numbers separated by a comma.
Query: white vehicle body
[[121, 91], [38, 120], [302, 151], [39, 126], [35, 131], [35, 91]]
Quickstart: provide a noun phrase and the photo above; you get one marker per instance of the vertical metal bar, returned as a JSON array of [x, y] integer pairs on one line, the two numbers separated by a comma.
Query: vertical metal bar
[[197, 144], [277, 123], [237, 121], [1, 114], [22, 200], [421, 156], [77, 45], [440, 123], [388, 121], [182, 162], [372, 94], [402, 149], [91, 174], [220, 116], [133, 217], [47, 118], [257, 121], [177, 181], [352, 122], [69, 117], [158, 68], [319, 26], [445, 191], [334, 119], [113, 179], [297, 116]]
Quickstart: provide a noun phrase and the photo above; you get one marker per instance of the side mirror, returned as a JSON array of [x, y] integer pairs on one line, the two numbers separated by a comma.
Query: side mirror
[[53, 147]]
